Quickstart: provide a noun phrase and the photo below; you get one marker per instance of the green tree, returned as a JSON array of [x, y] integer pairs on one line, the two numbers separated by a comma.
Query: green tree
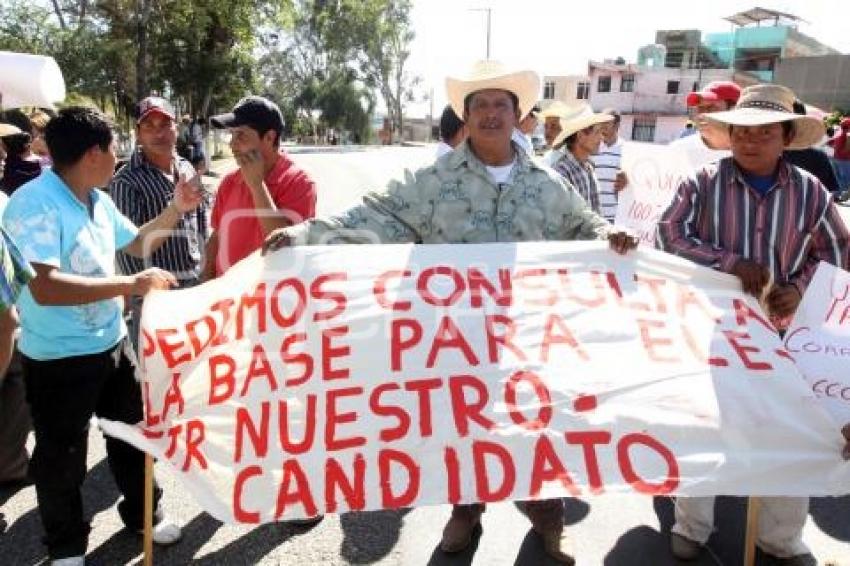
[[199, 53], [342, 104], [375, 36], [308, 76]]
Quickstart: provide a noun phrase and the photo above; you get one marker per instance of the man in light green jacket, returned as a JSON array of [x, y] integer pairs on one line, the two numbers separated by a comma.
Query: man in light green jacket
[[486, 190]]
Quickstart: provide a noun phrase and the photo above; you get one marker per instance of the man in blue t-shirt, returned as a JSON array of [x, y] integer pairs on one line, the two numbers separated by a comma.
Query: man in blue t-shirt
[[72, 329]]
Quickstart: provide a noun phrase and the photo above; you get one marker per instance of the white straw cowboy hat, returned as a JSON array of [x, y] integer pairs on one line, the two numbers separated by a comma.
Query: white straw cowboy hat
[[8, 130], [771, 104], [525, 85], [557, 109], [578, 118]]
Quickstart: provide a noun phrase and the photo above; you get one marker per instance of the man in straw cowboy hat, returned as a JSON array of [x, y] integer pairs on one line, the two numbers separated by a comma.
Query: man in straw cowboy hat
[[15, 424], [551, 117], [769, 223], [486, 190], [524, 130], [580, 137]]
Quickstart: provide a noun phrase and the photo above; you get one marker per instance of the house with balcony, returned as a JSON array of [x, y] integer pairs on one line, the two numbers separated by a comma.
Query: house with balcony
[[650, 97], [760, 39], [650, 94]]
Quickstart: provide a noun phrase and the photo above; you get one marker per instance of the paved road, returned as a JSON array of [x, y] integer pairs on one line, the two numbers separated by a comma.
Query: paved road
[[614, 531]]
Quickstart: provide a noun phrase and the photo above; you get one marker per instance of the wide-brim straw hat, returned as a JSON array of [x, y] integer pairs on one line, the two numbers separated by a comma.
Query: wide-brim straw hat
[[525, 85], [579, 117], [8, 130], [557, 109], [772, 104]]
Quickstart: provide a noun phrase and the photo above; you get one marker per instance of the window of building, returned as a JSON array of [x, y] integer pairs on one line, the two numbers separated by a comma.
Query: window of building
[[628, 83], [604, 84], [549, 90], [583, 90], [672, 87], [643, 129], [673, 59], [696, 87]]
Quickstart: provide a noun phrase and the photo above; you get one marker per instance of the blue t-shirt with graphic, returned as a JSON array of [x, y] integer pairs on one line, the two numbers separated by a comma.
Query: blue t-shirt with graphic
[[54, 228]]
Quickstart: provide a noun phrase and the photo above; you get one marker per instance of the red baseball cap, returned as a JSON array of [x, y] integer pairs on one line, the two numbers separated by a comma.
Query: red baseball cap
[[717, 90], [154, 105]]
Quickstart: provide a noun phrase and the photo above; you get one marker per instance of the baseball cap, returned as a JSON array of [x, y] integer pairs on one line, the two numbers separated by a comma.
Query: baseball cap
[[717, 90], [257, 112], [153, 105]]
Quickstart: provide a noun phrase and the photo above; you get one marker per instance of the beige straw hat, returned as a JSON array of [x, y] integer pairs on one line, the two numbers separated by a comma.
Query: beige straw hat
[[771, 104], [578, 118], [8, 130], [494, 75], [556, 109]]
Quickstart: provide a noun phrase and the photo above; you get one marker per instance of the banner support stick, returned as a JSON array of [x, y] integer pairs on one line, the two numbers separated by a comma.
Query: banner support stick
[[148, 530], [753, 504]]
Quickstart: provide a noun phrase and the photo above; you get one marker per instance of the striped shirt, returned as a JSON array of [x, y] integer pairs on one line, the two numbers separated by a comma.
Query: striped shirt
[[141, 191], [581, 176], [15, 271], [607, 164], [716, 218]]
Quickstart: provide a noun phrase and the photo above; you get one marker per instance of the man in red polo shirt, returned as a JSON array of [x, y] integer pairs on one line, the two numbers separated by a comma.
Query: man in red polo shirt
[[841, 144], [267, 192]]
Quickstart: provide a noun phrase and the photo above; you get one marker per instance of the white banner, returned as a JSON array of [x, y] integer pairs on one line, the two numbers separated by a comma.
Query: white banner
[[29, 80], [819, 339], [330, 379]]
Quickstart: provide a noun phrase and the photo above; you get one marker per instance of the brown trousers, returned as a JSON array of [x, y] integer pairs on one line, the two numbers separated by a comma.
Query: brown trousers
[[15, 423]]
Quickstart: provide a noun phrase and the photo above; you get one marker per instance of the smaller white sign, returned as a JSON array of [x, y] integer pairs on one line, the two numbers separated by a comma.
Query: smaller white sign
[[819, 339]]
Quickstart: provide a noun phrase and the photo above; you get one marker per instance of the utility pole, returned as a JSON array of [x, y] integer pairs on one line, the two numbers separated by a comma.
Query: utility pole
[[431, 115], [489, 14]]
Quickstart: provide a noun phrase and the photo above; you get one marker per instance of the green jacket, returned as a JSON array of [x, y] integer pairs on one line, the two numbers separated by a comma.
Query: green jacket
[[455, 200]]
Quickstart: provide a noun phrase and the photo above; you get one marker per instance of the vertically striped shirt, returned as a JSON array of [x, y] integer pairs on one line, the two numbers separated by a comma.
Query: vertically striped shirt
[[141, 191], [581, 176], [607, 164], [716, 218]]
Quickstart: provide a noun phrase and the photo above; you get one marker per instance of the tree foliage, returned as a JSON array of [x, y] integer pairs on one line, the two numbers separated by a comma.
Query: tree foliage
[[200, 53], [375, 37], [318, 87], [323, 61]]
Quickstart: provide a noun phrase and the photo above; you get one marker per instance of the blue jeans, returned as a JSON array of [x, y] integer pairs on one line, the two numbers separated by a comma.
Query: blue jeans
[[842, 171]]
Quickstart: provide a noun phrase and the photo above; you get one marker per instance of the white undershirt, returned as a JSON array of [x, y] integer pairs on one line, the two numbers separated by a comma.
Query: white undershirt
[[500, 173]]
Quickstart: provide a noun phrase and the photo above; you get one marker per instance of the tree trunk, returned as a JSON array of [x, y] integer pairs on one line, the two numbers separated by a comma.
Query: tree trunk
[[144, 9], [81, 20], [205, 103], [59, 15]]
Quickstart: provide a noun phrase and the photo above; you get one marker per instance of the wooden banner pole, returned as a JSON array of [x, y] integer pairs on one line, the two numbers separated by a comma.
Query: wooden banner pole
[[148, 532], [753, 504]]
